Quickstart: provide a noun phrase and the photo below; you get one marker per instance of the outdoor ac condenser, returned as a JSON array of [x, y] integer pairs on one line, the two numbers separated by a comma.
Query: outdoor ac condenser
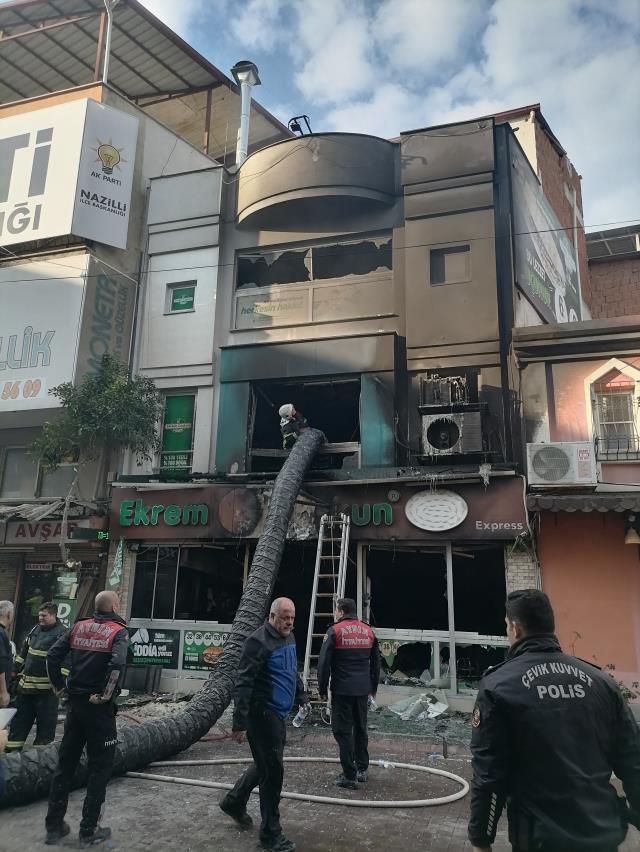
[[566, 463], [449, 433]]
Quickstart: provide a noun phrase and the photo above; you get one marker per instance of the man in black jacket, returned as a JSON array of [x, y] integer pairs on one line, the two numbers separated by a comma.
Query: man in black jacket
[[266, 686], [36, 699], [350, 658], [98, 649], [548, 731]]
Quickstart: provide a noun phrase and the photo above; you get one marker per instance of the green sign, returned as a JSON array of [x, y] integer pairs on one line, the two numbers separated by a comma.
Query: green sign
[[66, 610], [177, 433], [182, 298], [201, 649], [135, 513], [149, 647]]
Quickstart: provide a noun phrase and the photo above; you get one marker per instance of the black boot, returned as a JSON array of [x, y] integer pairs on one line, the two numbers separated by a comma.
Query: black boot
[[99, 835], [56, 834], [278, 844], [239, 816]]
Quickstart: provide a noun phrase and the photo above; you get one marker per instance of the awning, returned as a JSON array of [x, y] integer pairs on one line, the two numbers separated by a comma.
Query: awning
[[612, 502]]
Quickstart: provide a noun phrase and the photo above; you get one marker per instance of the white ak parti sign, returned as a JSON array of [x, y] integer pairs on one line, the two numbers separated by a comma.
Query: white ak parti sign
[[67, 169]]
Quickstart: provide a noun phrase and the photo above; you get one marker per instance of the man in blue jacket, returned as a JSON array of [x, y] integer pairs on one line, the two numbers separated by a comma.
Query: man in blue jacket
[[266, 686]]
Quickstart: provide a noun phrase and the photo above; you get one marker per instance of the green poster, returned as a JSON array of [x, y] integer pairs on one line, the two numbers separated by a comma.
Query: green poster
[[177, 433], [202, 648], [182, 298], [66, 610]]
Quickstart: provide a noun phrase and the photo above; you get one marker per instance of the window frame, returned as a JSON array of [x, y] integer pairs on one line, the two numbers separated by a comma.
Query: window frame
[[592, 409], [444, 248], [175, 285]]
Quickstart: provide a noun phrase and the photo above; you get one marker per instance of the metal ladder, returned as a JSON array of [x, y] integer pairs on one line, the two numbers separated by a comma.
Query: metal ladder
[[328, 584]]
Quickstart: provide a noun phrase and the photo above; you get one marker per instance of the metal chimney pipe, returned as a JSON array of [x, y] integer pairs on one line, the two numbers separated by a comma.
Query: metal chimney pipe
[[109, 5], [246, 76]]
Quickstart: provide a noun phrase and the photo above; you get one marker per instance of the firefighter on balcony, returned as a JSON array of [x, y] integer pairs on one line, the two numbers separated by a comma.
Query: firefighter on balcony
[[292, 422], [36, 701]]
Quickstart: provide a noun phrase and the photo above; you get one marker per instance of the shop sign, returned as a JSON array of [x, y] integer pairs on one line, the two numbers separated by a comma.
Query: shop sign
[[42, 532], [177, 433], [148, 647], [66, 610], [37, 352], [402, 513], [161, 514], [67, 169], [202, 648]]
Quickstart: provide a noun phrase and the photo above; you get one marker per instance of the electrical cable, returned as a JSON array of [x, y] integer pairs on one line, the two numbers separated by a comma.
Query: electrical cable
[[31, 259], [308, 797]]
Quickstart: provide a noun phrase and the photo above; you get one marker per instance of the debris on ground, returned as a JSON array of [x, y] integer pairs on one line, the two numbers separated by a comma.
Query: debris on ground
[[427, 705]]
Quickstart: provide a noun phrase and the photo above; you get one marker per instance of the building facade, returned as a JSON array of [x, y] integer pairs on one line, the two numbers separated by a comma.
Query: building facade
[[370, 284]]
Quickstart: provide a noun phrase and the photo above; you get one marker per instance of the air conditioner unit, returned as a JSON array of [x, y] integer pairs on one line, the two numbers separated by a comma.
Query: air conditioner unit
[[568, 463], [450, 433]]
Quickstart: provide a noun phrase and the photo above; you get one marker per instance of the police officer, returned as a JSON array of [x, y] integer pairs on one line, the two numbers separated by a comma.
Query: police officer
[[350, 658], [98, 648], [36, 699], [548, 731]]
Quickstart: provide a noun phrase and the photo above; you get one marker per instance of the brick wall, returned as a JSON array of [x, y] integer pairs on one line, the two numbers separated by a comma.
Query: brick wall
[[522, 569], [556, 171], [615, 287]]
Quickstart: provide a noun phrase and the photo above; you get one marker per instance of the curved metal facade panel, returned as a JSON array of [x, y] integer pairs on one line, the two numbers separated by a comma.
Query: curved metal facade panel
[[328, 176]]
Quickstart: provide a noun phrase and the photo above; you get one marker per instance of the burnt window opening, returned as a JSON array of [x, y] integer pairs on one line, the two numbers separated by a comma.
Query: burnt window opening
[[479, 591], [332, 406], [187, 583], [408, 589], [339, 259]]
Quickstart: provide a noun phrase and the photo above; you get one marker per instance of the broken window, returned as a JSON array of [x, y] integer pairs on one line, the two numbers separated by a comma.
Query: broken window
[[314, 263], [479, 590], [332, 406]]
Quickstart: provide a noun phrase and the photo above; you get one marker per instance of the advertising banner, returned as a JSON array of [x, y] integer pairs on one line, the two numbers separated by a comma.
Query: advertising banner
[[105, 175], [177, 432], [201, 649], [149, 647], [66, 610], [545, 263], [107, 317], [39, 323], [67, 169]]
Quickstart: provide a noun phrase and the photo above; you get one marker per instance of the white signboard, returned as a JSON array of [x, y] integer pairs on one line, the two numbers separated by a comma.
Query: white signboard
[[39, 329], [67, 169], [105, 175]]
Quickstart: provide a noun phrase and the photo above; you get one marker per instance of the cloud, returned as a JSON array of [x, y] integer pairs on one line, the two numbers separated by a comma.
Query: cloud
[[415, 35], [180, 15], [258, 24]]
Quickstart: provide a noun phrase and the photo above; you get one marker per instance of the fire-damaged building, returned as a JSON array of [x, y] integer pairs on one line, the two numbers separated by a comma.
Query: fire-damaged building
[[374, 285]]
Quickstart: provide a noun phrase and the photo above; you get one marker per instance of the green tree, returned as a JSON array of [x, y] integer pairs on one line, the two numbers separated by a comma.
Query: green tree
[[106, 412]]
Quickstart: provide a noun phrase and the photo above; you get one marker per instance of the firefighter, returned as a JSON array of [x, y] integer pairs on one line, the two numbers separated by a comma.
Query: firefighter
[[547, 732], [98, 648], [36, 700], [292, 422]]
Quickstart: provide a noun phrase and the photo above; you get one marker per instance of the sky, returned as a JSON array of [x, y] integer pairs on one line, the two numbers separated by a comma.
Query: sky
[[384, 66]]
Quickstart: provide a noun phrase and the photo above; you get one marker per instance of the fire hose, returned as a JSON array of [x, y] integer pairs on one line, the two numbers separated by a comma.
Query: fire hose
[[308, 797]]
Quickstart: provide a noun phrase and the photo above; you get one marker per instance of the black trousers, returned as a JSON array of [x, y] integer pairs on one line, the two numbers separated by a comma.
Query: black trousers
[[39, 707], [349, 726], [267, 737], [93, 726]]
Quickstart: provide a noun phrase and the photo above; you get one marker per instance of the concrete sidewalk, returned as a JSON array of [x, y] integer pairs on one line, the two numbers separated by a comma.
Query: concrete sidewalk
[[163, 817]]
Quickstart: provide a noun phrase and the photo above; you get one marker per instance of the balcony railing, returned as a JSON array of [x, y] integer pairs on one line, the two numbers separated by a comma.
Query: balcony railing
[[618, 448]]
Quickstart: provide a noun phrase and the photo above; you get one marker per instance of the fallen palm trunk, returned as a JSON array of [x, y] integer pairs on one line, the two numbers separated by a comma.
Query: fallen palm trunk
[[28, 774]]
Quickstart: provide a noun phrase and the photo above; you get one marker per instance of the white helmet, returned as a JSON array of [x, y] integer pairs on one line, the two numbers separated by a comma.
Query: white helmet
[[286, 410]]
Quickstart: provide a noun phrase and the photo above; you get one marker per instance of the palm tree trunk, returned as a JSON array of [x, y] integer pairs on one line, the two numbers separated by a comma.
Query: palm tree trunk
[[28, 774]]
